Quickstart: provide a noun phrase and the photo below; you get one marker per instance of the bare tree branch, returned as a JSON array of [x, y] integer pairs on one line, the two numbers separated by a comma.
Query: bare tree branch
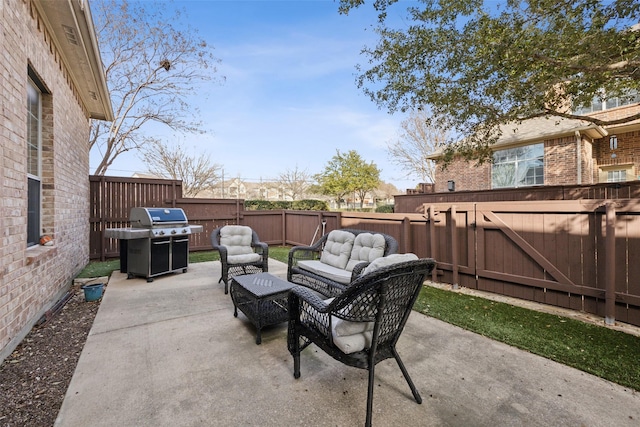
[[294, 182], [418, 139], [152, 68], [196, 171]]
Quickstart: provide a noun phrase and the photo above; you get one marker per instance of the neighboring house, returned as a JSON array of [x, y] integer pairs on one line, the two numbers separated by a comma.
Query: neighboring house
[[52, 83], [554, 151]]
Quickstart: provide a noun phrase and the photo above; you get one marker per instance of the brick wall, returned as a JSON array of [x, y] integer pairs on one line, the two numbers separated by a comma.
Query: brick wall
[[588, 164], [626, 155], [32, 279], [468, 176], [560, 161]]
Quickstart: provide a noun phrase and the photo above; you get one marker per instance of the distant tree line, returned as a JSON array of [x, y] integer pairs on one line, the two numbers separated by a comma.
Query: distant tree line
[[296, 205]]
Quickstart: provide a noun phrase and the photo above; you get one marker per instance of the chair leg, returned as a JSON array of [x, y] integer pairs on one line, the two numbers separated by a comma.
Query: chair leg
[[296, 365], [370, 394], [416, 395], [296, 356]]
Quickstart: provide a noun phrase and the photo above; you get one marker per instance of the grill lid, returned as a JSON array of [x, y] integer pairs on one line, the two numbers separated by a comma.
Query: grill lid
[[150, 217]]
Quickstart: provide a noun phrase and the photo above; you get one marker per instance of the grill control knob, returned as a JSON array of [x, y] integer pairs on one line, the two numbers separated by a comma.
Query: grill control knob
[[161, 233], [173, 231], [184, 231]]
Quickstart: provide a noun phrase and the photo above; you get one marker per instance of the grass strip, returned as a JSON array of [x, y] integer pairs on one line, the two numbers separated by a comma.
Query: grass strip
[[606, 353]]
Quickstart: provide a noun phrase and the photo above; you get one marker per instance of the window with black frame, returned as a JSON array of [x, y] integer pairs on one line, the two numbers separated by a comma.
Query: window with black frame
[[34, 150]]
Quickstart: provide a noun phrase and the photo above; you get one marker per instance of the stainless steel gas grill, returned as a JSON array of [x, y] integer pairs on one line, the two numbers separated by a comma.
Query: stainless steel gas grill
[[156, 243]]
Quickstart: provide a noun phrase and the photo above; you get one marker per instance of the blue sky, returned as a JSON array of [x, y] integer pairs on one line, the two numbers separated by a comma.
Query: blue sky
[[290, 96]]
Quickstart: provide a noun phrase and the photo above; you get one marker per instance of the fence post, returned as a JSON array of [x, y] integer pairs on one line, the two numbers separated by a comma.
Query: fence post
[[174, 195], [102, 189], [284, 227], [454, 245], [406, 235], [432, 230], [610, 269]]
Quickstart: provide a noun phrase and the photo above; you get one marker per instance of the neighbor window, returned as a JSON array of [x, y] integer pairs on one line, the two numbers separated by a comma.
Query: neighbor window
[[518, 167], [601, 103], [34, 153], [617, 175]]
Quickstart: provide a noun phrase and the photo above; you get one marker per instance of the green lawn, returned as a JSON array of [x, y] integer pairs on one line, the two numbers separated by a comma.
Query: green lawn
[[601, 351], [598, 350]]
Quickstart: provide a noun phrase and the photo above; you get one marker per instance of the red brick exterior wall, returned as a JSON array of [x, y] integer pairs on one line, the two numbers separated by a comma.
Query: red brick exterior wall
[[560, 161], [588, 173], [627, 153], [468, 176], [32, 279]]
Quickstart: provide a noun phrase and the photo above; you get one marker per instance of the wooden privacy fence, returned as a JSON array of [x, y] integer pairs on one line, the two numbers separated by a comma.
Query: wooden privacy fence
[[577, 254], [113, 197], [612, 190]]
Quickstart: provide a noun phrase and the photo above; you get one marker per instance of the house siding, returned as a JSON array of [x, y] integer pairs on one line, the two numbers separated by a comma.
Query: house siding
[[32, 279]]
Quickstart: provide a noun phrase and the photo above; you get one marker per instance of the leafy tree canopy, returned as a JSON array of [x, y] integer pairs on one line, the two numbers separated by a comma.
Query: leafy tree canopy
[[478, 64], [348, 173]]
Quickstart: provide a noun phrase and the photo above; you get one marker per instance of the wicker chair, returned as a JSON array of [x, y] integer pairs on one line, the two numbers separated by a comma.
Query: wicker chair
[[241, 252], [376, 306]]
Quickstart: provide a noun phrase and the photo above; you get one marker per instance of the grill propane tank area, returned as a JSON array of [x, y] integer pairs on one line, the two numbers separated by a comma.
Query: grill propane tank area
[[156, 243]]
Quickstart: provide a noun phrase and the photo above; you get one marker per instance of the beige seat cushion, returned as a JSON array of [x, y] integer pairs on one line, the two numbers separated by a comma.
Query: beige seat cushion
[[244, 258], [350, 336], [353, 343], [330, 272]]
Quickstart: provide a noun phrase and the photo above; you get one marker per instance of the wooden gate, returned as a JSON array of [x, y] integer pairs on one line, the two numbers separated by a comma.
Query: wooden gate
[[578, 254]]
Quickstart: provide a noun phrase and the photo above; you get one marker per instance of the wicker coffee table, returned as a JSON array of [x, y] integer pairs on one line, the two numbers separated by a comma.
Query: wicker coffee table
[[262, 298]]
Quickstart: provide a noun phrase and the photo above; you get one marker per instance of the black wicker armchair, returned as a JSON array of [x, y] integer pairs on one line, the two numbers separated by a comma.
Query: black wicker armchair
[[241, 252], [326, 285], [376, 306]]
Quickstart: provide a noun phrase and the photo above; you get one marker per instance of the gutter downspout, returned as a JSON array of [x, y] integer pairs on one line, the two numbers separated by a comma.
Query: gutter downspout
[[579, 156]]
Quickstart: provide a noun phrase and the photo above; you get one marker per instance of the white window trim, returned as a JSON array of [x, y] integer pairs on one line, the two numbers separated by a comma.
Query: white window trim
[[493, 186]]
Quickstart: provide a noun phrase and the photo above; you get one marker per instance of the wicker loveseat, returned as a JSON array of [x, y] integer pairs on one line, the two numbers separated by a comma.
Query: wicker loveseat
[[334, 261]]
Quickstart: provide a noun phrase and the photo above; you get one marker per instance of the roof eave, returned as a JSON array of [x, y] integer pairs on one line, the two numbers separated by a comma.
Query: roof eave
[[80, 54], [507, 140]]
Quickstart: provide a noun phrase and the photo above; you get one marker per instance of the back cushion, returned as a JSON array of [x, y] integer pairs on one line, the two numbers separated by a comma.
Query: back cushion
[[337, 248], [366, 247], [237, 239], [387, 261]]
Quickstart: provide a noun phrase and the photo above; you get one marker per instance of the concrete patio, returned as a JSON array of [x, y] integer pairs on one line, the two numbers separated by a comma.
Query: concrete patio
[[171, 353]]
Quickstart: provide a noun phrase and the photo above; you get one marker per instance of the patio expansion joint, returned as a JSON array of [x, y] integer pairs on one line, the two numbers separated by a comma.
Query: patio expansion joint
[[156, 322]]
